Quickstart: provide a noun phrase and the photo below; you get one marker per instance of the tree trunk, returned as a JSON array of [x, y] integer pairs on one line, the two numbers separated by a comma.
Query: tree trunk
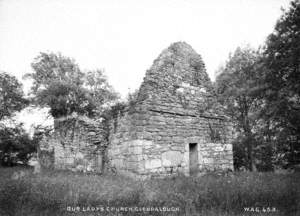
[[251, 161]]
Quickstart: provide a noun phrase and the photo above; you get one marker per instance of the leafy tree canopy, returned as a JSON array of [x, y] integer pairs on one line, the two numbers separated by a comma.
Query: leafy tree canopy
[[15, 145], [282, 89], [236, 86], [11, 95], [282, 60], [59, 83]]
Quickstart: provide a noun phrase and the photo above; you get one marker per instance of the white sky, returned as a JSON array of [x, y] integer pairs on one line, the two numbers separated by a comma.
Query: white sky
[[125, 36]]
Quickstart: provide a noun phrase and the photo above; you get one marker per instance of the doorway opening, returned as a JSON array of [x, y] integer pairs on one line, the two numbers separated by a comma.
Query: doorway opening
[[193, 151]]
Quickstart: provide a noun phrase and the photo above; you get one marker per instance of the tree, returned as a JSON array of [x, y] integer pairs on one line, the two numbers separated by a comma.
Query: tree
[[59, 83], [11, 95], [99, 89], [51, 67], [64, 98], [235, 87], [15, 145], [282, 86]]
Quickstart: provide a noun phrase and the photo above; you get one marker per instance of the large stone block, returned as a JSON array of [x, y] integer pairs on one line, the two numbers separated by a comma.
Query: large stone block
[[136, 150], [208, 160], [218, 147], [118, 163], [228, 147], [172, 158], [79, 155], [70, 160], [152, 164]]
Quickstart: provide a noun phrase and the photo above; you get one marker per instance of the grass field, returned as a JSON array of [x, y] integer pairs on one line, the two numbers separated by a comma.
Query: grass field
[[62, 193]]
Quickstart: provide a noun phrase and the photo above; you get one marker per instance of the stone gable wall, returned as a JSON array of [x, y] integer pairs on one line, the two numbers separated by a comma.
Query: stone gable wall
[[170, 113]]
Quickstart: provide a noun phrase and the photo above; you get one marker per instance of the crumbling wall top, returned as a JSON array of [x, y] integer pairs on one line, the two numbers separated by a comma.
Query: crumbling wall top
[[177, 82]]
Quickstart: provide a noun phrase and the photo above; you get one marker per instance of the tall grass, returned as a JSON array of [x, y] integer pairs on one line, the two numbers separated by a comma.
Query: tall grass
[[51, 192]]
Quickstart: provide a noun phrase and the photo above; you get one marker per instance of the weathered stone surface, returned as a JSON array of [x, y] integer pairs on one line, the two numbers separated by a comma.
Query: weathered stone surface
[[169, 114], [152, 164], [74, 145], [154, 134], [37, 168], [172, 158]]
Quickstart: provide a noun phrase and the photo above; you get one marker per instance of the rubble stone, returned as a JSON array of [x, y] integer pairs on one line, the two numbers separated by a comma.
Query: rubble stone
[[172, 103], [170, 127]]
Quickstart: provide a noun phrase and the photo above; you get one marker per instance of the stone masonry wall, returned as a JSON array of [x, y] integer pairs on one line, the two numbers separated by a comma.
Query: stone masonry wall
[[74, 145], [160, 146], [171, 112], [174, 125]]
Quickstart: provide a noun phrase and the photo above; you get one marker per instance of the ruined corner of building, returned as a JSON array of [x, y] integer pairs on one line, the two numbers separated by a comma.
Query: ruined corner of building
[[174, 125]]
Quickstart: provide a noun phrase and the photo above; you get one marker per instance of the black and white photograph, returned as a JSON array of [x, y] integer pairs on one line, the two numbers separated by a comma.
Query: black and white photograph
[[149, 108]]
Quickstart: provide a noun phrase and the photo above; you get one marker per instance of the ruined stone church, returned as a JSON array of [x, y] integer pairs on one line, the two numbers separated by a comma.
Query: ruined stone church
[[172, 127]]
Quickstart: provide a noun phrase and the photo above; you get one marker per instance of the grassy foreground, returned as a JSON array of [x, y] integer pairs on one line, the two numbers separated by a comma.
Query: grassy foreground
[[66, 193]]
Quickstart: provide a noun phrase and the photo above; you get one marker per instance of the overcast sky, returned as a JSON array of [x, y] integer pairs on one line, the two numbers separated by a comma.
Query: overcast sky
[[125, 36]]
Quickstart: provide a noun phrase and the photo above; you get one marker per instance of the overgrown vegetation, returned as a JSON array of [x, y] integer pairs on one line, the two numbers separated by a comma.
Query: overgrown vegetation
[[60, 84], [11, 95], [15, 143], [51, 192], [16, 146], [261, 93]]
